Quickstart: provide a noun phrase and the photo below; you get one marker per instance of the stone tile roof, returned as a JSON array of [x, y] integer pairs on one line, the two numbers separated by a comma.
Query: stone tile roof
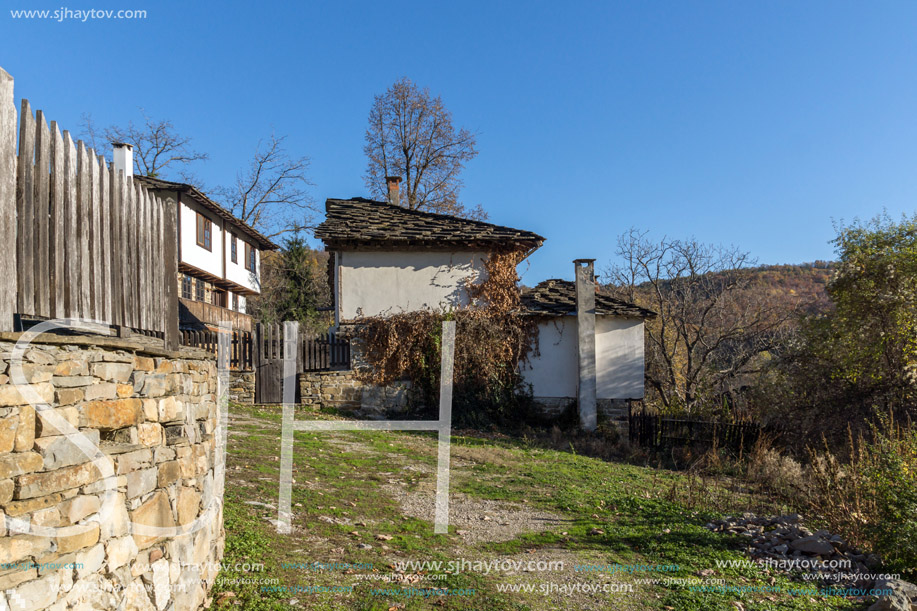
[[358, 222], [262, 241], [557, 297]]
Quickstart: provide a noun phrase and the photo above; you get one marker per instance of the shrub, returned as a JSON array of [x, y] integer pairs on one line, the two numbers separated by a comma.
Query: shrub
[[492, 340], [489, 347], [871, 497], [778, 472]]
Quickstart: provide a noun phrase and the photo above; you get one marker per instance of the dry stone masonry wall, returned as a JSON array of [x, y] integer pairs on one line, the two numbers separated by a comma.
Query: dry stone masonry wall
[[343, 390], [242, 387], [139, 527]]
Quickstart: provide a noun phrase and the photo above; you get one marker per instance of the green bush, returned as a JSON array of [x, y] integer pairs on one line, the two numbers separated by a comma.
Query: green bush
[[890, 468]]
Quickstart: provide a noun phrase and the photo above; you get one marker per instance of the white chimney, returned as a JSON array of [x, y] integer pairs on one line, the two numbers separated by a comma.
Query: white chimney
[[122, 157], [585, 326]]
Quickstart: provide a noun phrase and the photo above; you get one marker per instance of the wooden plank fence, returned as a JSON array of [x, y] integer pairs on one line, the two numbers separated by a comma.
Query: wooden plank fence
[[318, 352], [83, 241], [323, 352], [241, 346], [658, 431]]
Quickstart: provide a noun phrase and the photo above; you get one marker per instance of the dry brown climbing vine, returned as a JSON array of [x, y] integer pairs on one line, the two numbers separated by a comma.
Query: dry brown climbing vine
[[493, 338]]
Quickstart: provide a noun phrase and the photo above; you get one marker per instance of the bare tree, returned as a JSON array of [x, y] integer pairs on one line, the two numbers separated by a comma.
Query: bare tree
[[713, 325], [270, 195], [157, 146], [410, 134]]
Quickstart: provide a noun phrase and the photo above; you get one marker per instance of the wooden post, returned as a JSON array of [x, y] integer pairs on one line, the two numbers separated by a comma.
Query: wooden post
[[117, 315], [95, 246], [84, 191], [8, 216], [158, 272], [142, 268], [42, 197], [257, 348], [72, 303], [105, 243], [170, 273], [56, 225], [24, 204]]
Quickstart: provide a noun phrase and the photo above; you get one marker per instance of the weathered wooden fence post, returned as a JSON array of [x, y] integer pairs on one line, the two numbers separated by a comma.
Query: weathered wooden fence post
[[8, 219], [170, 257]]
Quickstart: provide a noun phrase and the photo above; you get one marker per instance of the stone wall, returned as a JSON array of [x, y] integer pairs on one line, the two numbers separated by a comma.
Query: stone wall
[[342, 390], [109, 493], [339, 389], [242, 387]]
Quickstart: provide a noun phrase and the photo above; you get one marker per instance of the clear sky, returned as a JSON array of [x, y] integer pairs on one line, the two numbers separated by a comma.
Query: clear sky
[[746, 123]]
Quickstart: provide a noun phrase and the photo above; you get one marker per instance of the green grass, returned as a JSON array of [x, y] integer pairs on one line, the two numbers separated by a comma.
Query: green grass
[[344, 476]]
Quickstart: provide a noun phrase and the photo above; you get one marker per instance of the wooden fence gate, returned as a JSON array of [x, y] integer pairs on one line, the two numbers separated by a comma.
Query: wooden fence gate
[[268, 363], [325, 352]]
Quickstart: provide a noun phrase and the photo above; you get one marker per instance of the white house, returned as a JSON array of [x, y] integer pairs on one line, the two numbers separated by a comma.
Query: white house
[[554, 371], [386, 259], [219, 256]]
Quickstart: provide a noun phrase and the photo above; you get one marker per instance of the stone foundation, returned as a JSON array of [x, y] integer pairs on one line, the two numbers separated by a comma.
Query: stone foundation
[[611, 410], [342, 390], [113, 474], [242, 387]]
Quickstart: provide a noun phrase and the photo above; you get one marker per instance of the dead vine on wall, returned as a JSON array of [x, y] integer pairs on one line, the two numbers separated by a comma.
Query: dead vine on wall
[[492, 340]]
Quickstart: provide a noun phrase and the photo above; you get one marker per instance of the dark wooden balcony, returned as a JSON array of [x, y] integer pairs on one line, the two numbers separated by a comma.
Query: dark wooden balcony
[[199, 315]]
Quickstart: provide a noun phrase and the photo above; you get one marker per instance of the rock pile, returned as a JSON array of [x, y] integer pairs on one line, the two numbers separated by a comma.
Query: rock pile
[[784, 543]]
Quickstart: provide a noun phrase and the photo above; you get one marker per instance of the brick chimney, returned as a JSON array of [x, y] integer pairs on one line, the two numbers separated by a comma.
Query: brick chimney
[[122, 157], [394, 189], [586, 288]]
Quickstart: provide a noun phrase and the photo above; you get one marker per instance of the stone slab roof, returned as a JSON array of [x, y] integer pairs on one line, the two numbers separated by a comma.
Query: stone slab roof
[[262, 241], [558, 298], [364, 223]]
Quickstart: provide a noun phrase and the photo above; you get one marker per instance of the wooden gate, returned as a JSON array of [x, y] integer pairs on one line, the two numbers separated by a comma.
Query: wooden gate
[[268, 362], [325, 352]]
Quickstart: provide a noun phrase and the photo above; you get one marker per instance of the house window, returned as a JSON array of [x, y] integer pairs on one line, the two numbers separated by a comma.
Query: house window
[[186, 286], [218, 298], [249, 257], [235, 302], [234, 249], [199, 289], [204, 232]]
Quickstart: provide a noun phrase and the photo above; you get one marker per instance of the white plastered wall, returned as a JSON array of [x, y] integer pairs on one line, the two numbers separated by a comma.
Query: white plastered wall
[[373, 283], [236, 272], [618, 359], [209, 261]]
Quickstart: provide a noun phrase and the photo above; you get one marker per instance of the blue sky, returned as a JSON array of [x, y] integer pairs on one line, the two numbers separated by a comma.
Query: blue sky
[[752, 124]]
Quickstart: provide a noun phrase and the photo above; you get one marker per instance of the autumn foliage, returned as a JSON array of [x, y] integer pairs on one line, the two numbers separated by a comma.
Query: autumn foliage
[[492, 339]]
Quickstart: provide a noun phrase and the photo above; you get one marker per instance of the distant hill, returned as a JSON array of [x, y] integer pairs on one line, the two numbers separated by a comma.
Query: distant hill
[[801, 285], [804, 283]]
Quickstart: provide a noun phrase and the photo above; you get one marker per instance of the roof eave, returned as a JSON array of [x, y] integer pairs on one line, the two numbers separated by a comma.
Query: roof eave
[[443, 245]]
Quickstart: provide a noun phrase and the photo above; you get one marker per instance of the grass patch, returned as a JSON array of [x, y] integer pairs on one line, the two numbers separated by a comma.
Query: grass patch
[[345, 514]]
